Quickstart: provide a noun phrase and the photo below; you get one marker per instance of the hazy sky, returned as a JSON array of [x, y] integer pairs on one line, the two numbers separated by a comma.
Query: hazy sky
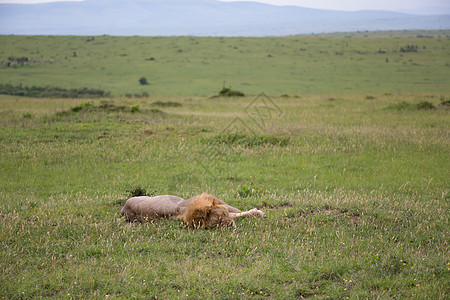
[[350, 5]]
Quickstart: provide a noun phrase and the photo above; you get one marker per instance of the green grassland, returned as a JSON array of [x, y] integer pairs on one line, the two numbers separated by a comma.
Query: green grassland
[[349, 166], [197, 66]]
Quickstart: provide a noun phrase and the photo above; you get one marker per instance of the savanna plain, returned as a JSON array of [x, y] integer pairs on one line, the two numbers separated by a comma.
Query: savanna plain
[[343, 141]]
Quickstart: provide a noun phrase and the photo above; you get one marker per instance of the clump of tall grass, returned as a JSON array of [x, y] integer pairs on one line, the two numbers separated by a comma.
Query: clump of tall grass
[[403, 105], [138, 191], [425, 105], [166, 104], [51, 92], [445, 101], [104, 106], [250, 140], [248, 190]]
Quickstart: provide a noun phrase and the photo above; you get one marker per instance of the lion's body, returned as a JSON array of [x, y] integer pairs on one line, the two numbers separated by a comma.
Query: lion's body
[[200, 211], [145, 208]]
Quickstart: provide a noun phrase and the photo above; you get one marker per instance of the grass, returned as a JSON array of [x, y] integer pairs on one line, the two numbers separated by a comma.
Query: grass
[[355, 190], [286, 65]]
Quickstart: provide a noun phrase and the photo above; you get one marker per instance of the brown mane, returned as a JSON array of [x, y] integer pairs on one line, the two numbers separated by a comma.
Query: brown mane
[[207, 211]]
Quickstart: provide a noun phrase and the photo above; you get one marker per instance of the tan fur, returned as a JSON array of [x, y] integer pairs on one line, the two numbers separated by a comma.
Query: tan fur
[[201, 211]]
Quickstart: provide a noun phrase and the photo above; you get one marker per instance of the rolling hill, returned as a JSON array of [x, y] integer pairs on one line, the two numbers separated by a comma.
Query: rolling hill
[[197, 18]]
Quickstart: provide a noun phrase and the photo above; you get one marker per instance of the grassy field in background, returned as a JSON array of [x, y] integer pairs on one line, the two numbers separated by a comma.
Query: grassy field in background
[[352, 170], [196, 66]]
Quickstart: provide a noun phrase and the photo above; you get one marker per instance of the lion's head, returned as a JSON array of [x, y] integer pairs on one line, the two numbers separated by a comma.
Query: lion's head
[[207, 211]]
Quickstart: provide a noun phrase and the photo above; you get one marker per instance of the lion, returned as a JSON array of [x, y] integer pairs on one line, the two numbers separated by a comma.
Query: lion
[[202, 211]]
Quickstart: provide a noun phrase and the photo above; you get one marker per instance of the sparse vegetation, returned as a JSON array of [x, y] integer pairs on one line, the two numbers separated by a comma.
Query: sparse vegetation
[[403, 105], [103, 106], [166, 104], [137, 95], [196, 72], [51, 92], [14, 61], [344, 211], [400, 106], [250, 140], [409, 48]]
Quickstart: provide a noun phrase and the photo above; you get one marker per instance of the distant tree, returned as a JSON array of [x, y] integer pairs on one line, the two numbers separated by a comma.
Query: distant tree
[[143, 81]]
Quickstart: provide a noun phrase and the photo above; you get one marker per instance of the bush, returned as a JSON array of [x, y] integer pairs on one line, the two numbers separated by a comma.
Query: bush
[[445, 101], [425, 105], [228, 92], [27, 115], [135, 108], [83, 106], [143, 81], [138, 191]]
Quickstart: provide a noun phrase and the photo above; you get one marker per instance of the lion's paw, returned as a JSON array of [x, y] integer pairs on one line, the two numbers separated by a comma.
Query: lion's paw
[[257, 213]]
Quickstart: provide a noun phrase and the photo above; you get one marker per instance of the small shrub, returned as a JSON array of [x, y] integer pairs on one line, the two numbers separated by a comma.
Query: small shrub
[[135, 108], [106, 105], [143, 81], [138, 191], [425, 105], [445, 101], [27, 115], [228, 92], [110, 106], [246, 191], [83, 107]]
